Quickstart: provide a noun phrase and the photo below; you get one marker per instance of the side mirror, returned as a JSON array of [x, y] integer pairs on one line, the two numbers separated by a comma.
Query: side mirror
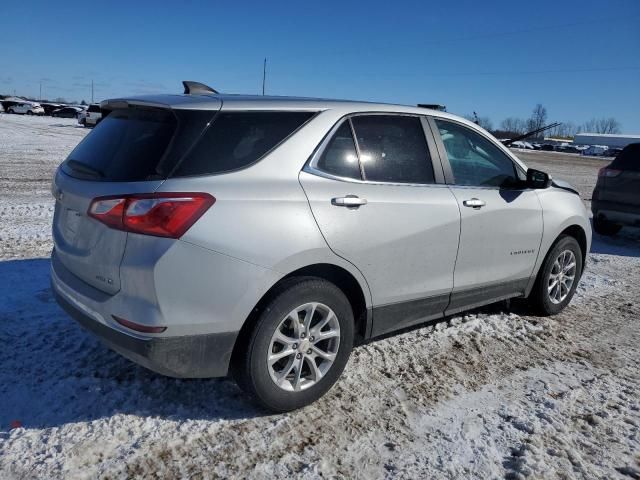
[[538, 179]]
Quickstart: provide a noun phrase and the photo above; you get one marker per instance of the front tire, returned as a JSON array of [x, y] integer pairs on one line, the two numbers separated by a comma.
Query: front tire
[[29, 112], [605, 227], [298, 346], [558, 277]]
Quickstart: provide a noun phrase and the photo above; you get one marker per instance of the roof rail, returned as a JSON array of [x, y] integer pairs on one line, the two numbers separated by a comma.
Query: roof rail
[[197, 88]]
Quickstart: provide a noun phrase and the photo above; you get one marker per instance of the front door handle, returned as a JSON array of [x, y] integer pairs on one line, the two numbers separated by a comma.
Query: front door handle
[[351, 201], [474, 203]]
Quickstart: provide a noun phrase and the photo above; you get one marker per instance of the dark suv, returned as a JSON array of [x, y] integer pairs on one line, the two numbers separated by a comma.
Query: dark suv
[[616, 198]]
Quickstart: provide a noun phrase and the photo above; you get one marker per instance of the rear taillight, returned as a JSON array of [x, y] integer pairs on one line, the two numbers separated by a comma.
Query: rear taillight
[[608, 172], [159, 214]]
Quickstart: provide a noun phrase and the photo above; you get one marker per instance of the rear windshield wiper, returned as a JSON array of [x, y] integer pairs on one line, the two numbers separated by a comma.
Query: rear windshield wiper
[[84, 168]]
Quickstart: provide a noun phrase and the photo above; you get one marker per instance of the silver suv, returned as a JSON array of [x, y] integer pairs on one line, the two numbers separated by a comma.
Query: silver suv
[[206, 234]]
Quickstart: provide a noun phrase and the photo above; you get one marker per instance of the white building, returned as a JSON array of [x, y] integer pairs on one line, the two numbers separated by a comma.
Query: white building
[[609, 140]]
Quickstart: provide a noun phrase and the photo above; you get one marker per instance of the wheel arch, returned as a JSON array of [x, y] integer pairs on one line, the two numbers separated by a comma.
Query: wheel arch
[[574, 230], [335, 274], [577, 232]]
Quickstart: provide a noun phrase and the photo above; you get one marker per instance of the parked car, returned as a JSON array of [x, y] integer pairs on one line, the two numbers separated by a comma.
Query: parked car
[[547, 147], [7, 104], [67, 112], [522, 145], [91, 116], [27, 108], [567, 149], [201, 235], [612, 152], [50, 107], [595, 150], [616, 198]]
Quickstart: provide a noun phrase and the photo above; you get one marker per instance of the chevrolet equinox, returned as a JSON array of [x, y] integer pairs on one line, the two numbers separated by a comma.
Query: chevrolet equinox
[[204, 234]]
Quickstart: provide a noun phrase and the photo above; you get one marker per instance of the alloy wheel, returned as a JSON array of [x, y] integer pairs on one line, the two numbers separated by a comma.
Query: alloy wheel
[[562, 276], [303, 347]]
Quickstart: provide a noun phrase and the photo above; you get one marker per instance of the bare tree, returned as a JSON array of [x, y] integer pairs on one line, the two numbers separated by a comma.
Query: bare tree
[[602, 125], [514, 125], [538, 118], [564, 130], [609, 125], [590, 126], [484, 122]]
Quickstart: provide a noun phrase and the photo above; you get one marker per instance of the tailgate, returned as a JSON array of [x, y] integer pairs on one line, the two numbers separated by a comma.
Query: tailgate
[[131, 151], [623, 188], [89, 249]]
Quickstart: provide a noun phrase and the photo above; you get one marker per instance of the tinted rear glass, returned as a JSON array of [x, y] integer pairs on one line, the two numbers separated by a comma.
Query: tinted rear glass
[[126, 146], [393, 149], [94, 108], [237, 139], [340, 157], [628, 159]]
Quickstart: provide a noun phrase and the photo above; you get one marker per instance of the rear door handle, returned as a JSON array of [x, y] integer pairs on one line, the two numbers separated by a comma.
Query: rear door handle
[[351, 201], [474, 203]]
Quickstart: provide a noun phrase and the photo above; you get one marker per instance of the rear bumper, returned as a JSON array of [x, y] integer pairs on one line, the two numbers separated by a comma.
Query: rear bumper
[[194, 356], [619, 213], [185, 356]]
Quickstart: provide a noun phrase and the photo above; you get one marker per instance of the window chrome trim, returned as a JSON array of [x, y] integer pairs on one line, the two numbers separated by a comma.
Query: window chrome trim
[[312, 164]]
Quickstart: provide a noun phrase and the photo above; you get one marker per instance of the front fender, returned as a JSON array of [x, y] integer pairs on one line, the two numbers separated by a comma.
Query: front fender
[[561, 209]]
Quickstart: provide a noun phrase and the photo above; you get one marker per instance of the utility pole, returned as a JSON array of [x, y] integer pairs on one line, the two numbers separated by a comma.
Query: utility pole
[[264, 74], [91, 90], [40, 90]]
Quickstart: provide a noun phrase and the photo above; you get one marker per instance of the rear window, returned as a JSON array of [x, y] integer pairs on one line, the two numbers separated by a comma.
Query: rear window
[[238, 139], [628, 159], [94, 108], [127, 146]]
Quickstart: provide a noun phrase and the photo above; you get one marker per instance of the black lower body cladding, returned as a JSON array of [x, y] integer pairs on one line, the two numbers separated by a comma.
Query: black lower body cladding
[[193, 356]]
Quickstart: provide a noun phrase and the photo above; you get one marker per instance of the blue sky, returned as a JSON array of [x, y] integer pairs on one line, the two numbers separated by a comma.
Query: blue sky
[[581, 59]]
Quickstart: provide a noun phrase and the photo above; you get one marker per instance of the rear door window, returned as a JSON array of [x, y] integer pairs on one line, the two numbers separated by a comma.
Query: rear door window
[[393, 149], [340, 157], [236, 140], [127, 146]]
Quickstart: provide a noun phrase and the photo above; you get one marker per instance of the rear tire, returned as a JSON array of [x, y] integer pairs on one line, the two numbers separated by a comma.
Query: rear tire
[[556, 282], [290, 327], [605, 227]]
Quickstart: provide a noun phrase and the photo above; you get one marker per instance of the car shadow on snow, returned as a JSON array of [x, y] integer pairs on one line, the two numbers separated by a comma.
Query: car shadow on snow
[[67, 125], [625, 244], [52, 372]]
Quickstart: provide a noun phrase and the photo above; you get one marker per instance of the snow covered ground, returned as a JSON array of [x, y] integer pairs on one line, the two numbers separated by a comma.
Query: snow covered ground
[[491, 394]]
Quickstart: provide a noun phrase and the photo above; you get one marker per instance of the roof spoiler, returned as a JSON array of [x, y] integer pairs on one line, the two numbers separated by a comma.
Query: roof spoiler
[[433, 106], [197, 88]]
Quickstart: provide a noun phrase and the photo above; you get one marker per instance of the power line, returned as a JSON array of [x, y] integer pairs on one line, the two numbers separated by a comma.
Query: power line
[[493, 34], [533, 72]]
